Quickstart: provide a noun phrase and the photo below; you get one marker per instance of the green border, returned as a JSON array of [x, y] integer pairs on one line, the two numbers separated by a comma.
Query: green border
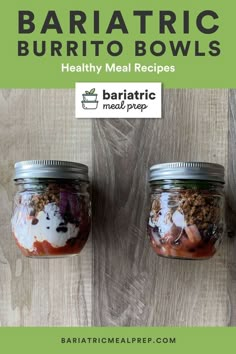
[[191, 71]]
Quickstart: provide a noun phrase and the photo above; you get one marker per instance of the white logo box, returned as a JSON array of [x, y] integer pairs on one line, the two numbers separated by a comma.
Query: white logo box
[[118, 100]]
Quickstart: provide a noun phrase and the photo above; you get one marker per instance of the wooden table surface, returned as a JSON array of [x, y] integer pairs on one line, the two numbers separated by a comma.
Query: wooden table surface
[[117, 280]]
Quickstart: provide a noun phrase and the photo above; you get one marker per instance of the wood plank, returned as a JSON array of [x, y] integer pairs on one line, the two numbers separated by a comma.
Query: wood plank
[[133, 286], [40, 124]]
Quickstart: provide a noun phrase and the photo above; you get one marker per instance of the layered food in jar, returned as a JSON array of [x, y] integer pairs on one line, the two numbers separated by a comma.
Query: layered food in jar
[[52, 208], [187, 209]]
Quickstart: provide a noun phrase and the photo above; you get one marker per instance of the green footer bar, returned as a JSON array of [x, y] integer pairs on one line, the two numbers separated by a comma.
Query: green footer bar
[[117, 340]]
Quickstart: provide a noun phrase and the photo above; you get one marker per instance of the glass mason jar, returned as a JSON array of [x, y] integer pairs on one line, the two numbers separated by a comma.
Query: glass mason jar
[[187, 209], [51, 215]]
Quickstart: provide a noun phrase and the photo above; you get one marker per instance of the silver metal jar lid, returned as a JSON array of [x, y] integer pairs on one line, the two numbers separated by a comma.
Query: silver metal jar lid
[[187, 171], [50, 169]]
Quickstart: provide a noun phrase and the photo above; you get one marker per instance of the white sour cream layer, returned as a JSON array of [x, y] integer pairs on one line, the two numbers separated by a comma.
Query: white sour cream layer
[[45, 230]]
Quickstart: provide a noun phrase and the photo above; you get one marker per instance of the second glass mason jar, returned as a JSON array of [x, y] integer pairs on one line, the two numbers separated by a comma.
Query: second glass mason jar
[[187, 209], [51, 215]]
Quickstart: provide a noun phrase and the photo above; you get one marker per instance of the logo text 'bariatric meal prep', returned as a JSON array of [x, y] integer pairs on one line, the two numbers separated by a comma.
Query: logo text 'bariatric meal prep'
[[118, 100]]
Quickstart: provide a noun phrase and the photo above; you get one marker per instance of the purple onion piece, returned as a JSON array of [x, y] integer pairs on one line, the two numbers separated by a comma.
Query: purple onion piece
[[64, 197], [74, 205]]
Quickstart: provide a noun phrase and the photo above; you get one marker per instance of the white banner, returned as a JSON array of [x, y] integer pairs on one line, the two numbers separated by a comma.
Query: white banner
[[118, 100]]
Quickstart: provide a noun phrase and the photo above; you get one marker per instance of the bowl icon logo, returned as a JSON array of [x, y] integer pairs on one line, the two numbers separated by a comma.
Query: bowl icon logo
[[90, 99]]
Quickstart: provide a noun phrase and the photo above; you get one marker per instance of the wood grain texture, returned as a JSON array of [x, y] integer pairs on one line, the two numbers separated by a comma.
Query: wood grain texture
[[131, 285], [40, 124], [117, 279]]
